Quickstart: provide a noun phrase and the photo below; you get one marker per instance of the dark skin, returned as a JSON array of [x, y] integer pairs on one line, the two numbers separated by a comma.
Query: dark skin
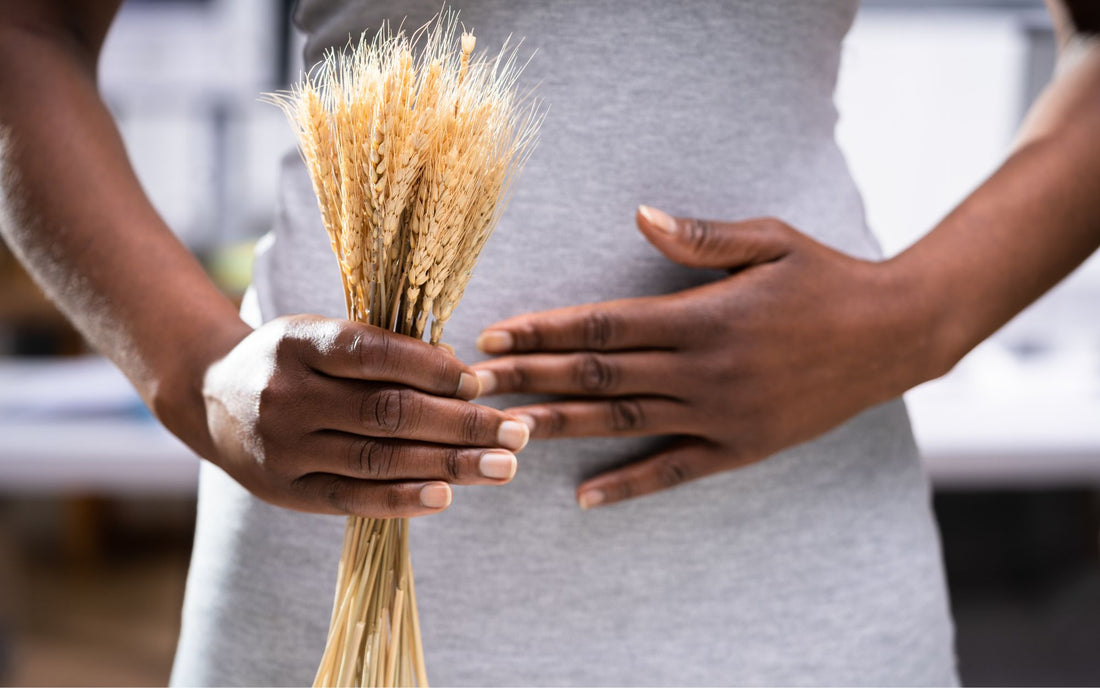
[[319, 415], [801, 337], [691, 364], [335, 417]]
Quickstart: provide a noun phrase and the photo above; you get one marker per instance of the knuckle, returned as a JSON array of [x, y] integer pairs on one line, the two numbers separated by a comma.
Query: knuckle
[[452, 464], [622, 490], [370, 457], [269, 401], [337, 496], [369, 347], [598, 329], [671, 471], [698, 234], [528, 337], [273, 398], [517, 378], [445, 372], [773, 224], [555, 422], [470, 425], [724, 371], [595, 374], [392, 501], [627, 415], [385, 409], [287, 347], [300, 485], [774, 229], [274, 460]]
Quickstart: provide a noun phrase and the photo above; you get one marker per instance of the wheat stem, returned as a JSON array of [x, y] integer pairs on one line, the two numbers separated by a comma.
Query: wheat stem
[[413, 148]]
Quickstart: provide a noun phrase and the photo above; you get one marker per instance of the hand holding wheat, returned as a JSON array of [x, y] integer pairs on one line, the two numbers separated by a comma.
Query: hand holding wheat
[[335, 417], [412, 156]]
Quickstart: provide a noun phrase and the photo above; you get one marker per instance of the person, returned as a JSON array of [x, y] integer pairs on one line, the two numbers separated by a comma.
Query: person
[[754, 365]]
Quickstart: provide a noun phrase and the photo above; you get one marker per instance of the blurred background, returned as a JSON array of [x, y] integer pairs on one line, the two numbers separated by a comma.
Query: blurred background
[[97, 501]]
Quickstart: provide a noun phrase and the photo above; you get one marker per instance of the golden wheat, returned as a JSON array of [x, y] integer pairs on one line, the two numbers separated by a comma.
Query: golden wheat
[[413, 148]]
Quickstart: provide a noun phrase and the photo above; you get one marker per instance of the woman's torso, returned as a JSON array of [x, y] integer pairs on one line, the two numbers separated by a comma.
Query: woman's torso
[[819, 565]]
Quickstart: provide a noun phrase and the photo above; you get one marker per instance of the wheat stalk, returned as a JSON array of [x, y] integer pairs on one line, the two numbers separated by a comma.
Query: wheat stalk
[[413, 148]]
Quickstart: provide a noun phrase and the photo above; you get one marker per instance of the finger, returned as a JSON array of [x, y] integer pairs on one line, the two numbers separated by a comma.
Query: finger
[[336, 494], [712, 244], [643, 323], [580, 374], [372, 458], [622, 417], [347, 349], [379, 410], [687, 460]]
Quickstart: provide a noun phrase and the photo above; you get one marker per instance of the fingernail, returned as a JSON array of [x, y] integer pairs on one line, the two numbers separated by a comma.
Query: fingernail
[[495, 341], [513, 435], [487, 381], [659, 219], [446, 347], [526, 420], [435, 495], [500, 465], [590, 498], [469, 386]]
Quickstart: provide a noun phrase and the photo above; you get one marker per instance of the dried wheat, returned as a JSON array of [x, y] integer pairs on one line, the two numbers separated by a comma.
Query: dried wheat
[[413, 149]]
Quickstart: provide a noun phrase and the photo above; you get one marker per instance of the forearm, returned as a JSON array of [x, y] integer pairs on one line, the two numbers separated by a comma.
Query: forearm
[[1027, 227], [73, 211]]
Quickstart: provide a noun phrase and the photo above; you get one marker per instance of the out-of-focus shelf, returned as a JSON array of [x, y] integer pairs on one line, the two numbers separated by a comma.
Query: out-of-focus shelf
[[75, 426], [1005, 420], [1010, 443], [108, 455]]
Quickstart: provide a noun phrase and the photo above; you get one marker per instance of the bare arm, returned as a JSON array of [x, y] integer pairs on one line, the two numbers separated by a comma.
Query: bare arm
[[75, 214], [800, 337], [313, 414], [1033, 221]]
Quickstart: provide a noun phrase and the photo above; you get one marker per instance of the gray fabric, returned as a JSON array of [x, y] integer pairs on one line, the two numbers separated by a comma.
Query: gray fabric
[[818, 566]]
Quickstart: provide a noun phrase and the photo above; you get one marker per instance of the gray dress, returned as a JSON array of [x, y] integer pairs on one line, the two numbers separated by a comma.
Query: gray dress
[[820, 565]]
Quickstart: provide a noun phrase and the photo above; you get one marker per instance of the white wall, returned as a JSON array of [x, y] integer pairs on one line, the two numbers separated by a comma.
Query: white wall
[[929, 103], [184, 81]]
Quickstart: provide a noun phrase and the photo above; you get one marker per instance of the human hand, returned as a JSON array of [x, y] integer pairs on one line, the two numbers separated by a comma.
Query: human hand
[[331, 416], [796, 340]]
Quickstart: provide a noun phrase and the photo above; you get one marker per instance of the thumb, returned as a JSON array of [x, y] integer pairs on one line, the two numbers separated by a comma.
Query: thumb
[[713, 244]]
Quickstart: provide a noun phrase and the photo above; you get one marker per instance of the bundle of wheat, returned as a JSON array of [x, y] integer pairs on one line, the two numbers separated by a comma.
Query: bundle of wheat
[[413, 147]]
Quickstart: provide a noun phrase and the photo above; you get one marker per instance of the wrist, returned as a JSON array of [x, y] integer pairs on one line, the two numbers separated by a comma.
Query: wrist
[[176, 397], [922, 300]]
